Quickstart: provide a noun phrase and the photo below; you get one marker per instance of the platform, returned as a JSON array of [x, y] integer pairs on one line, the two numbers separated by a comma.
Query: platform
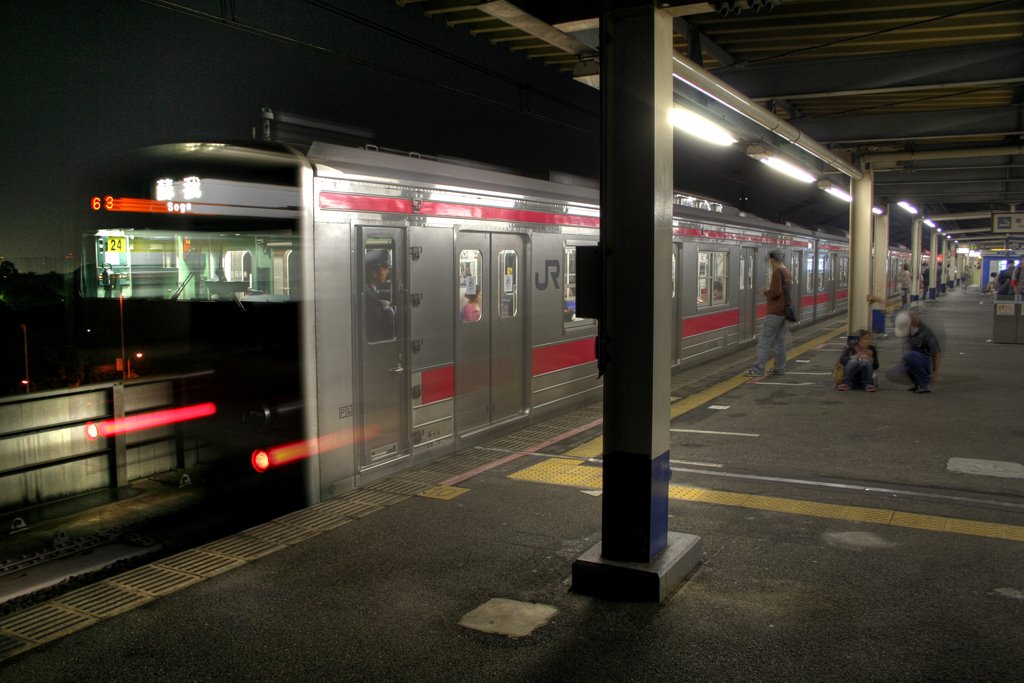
[[846, 536]]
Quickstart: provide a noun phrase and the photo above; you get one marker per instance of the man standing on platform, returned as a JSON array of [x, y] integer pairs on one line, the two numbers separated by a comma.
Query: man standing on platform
[[773, 331]]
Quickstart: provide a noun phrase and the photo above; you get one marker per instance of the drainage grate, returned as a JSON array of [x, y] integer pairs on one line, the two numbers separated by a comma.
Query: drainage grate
[[242, 547], [154, 580], [199, 563], [315, 519], [281, 534], [349, 508], [375, 497], [102, 600], [45, 622]]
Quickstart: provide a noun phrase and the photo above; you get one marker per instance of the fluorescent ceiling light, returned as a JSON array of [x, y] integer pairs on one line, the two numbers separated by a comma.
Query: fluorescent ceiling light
[[908, 207], [877, 210], [930, 223], [835, 191], [782, 166], [694, 124]]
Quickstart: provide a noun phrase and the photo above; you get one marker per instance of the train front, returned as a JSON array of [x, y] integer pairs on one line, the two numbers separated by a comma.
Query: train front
[[191, 269]]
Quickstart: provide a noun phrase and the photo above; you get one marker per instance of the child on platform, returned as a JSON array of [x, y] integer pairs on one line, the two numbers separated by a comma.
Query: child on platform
[[860, 361]]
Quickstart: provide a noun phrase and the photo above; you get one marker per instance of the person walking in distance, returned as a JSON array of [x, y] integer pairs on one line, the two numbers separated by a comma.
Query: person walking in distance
[[773, 331], [904, 285]]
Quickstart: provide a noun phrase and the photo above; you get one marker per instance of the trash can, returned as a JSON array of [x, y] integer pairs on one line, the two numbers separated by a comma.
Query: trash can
[[1006, 322]]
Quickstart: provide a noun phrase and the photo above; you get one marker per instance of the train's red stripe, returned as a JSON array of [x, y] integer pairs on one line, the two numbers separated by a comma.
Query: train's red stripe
[[721, 234], [564, 355], [438, 384], [710, 321], [355, 202], [500, 214]]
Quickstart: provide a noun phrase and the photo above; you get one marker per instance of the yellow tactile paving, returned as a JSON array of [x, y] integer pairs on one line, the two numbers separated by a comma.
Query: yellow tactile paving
[[589, 449], [578, 475], [562, 472]]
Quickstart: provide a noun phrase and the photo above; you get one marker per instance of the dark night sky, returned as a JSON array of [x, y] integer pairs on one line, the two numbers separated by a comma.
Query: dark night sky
[[83, 81]]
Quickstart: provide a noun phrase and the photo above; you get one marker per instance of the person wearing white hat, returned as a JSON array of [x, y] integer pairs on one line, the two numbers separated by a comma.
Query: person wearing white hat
[[922, 356]]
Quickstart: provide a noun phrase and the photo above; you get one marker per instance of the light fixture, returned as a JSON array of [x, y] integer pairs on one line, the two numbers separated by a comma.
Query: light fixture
[[907, 206], [779, 164], [835, 191], [930, 223], [877, 210], [694, 124]]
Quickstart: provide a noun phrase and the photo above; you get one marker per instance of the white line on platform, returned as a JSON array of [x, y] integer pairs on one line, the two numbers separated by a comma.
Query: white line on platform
[[788, 384], [702, 431], [699, 464]]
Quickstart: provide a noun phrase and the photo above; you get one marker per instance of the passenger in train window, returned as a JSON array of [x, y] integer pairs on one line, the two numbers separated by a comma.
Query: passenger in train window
[[773, 330], [472, 310], [860, 362], [922, 356], [380, 316], [717, 292]]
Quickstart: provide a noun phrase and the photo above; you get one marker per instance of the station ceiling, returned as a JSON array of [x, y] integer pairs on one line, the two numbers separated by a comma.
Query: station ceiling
[[929, 92]]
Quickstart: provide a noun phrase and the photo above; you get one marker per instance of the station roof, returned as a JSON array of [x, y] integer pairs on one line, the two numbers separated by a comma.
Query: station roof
[[928, 92]]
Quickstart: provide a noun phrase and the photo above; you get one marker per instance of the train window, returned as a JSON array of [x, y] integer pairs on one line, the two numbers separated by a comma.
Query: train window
[[378, 292], [842, 266], [508, 300], [809, 268], [673, 273], [822, 267], [180, 266], [471, 294], [712, 278], [569, 319]]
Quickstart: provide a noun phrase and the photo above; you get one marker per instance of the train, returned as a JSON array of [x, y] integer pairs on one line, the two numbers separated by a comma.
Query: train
[[398, 307]]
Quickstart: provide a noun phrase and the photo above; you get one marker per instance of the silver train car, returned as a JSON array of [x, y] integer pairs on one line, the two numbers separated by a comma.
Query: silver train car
[[397, 308]]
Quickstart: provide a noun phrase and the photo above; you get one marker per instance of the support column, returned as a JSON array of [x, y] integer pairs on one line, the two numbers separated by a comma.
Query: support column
[[880, 240], [860, 252], [915, 260], [933, 267], [638, 558]]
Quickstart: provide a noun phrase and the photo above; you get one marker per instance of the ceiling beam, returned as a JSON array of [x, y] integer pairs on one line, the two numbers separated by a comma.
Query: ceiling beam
[[999, 121], [991, 62]]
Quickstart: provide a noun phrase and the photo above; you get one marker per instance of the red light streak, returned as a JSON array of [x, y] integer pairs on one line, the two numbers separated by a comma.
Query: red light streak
[[159, 418], [276, 456]]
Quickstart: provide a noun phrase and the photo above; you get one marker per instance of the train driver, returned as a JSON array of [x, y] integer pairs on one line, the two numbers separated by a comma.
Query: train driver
[[379, 315]]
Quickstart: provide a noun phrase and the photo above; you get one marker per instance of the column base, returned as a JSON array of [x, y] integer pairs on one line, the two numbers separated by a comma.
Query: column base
[[652, 581]]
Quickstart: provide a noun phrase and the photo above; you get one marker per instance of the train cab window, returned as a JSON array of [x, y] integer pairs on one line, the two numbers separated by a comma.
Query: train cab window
[[712, 278], [471, 294], [378, 290], [569, 319], [508, 300]]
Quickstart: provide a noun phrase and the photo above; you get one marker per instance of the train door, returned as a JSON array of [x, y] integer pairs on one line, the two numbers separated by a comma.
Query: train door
[[796, 270], [491, 332], [747, 296], [383, 377], [830, 282]]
